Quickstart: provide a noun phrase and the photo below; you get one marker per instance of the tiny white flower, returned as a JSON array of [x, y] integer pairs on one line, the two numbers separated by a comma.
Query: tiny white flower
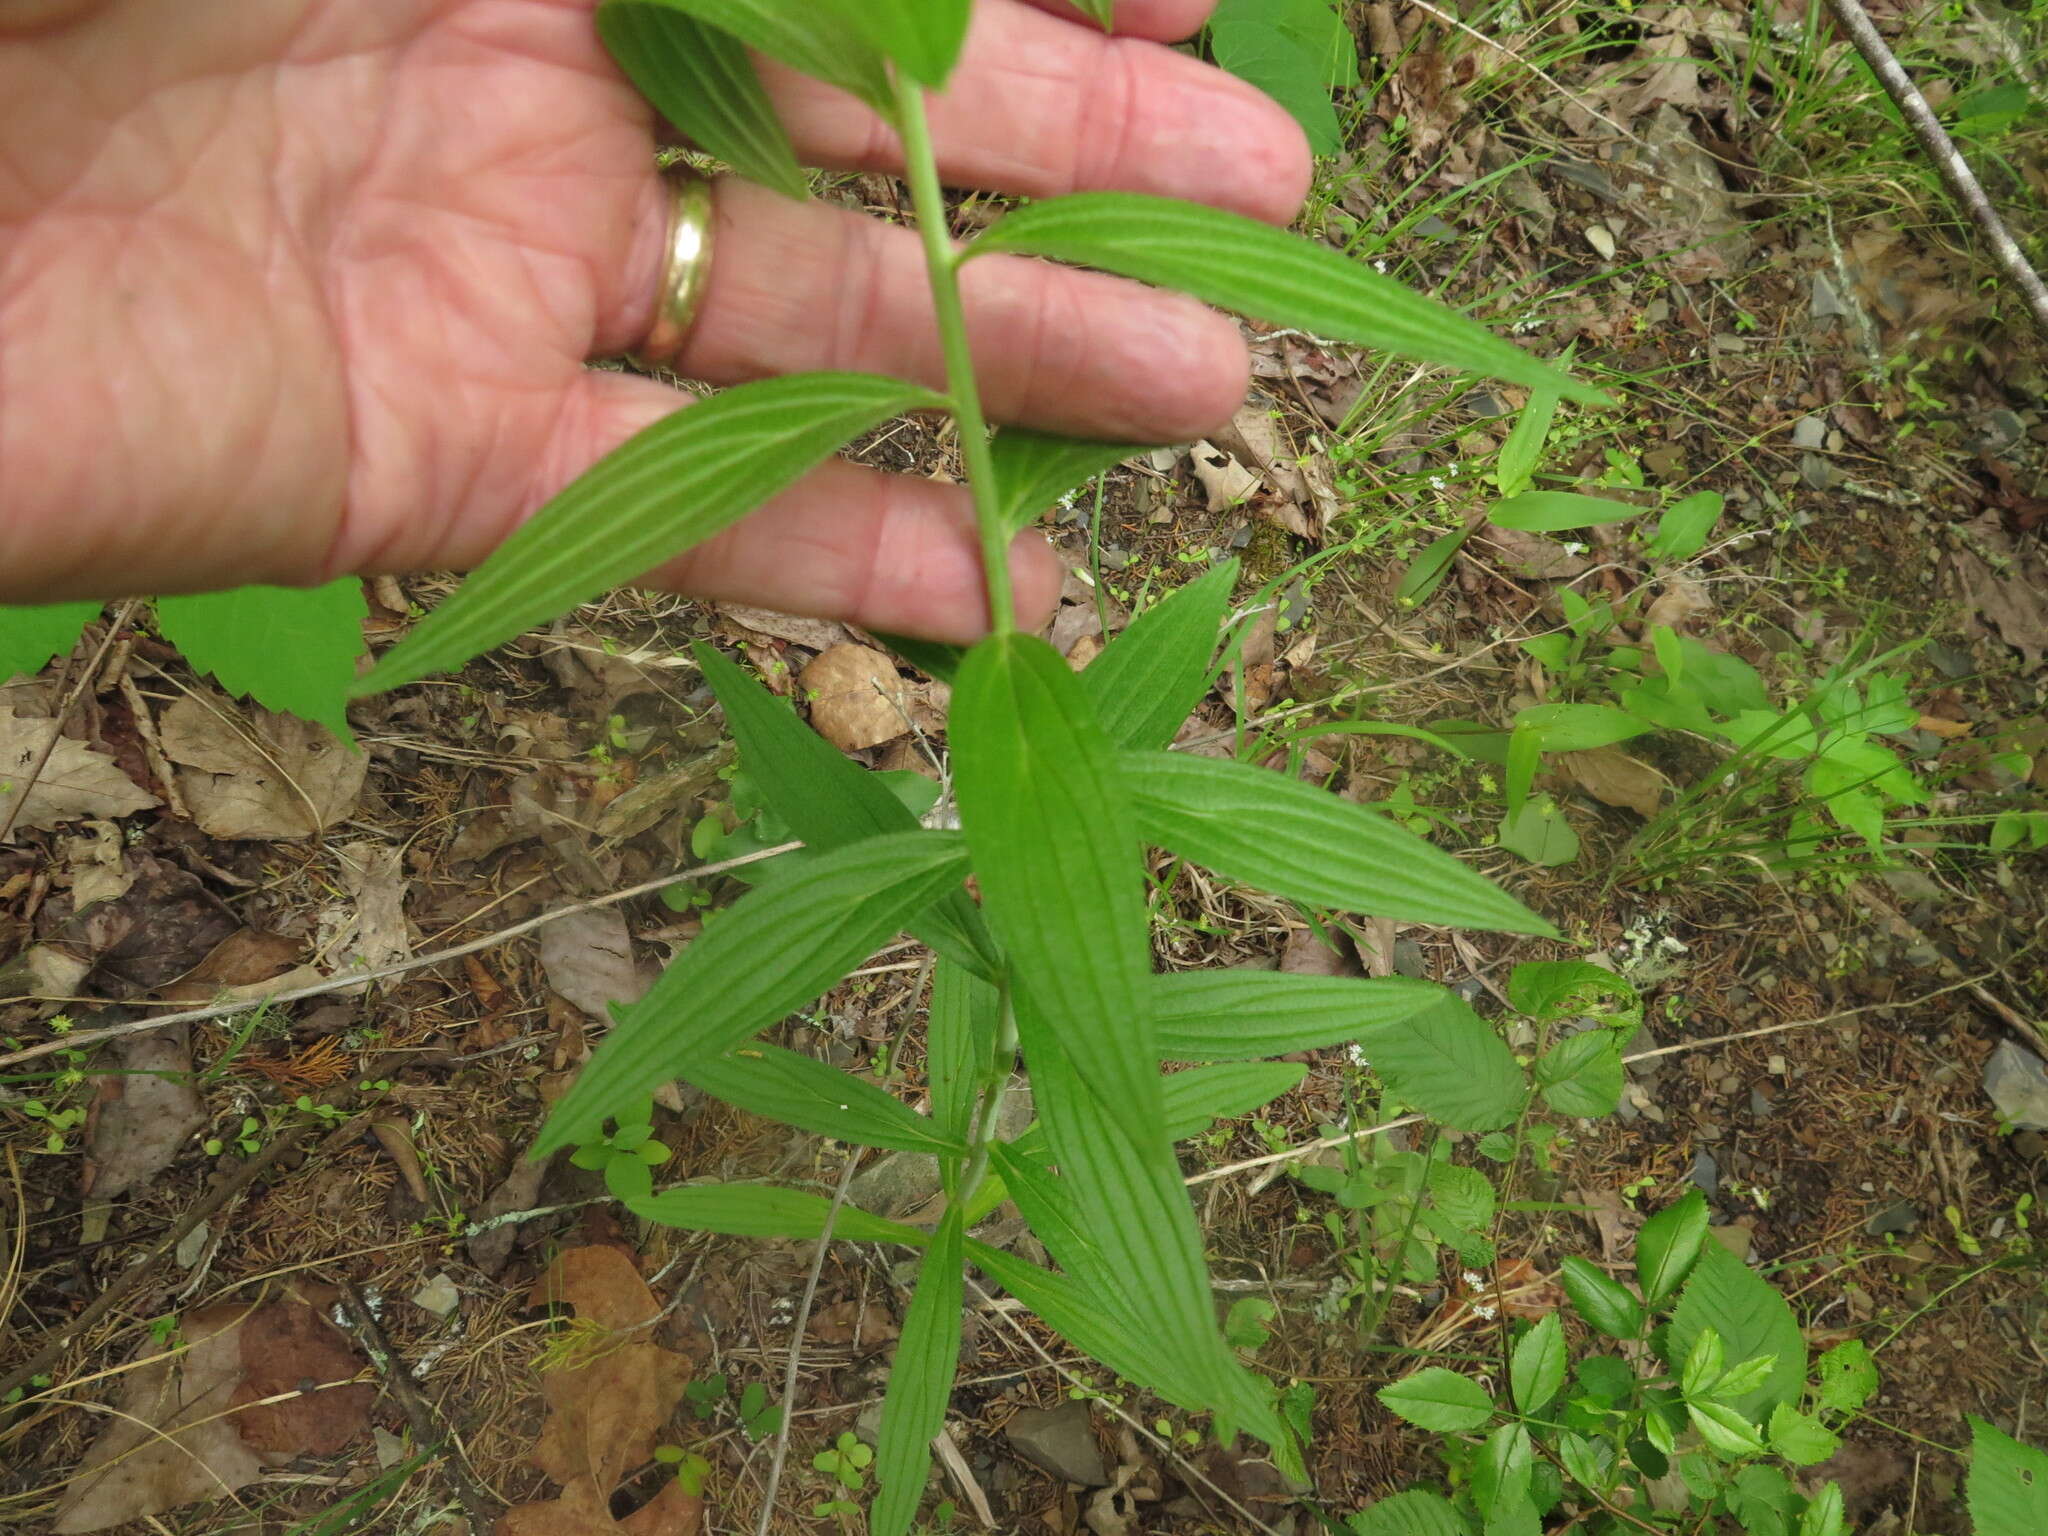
[[1485, 1311], [1474, 1279]]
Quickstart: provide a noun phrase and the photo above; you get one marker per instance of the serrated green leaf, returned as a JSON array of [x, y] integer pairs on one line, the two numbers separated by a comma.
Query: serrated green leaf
[[1824, 1516], [1549, 990], [1601, 1302], [1726, 1429], [1237, 1015], [1752, 1319], [29, 637], [673, 485], [1500, 1472], [796, 1090], [819, 38], [1669, 1244], [1582, 1076], [920, 1382], [1761, 1496], [1149, 679], [2007, 1486], [1557, 511], [1703, 1364], [1306, 844], [1801, 1440], [1414, 1513], [1742, 1378], [702, 80], [1434, 1398], [1035, 469], [1536, 1369], [289, 649], [1587, 1465], [960, 1039], [763, 1210], [1450, 1064], [1683, 531], [1238, 263], [830, 802], [778, 947], [1846, 1377], [1197, 1098], [1464, 1195]]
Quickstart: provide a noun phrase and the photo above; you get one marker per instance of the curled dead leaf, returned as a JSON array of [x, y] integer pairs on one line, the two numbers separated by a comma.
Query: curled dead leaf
[[1612, 777], [857, 697]]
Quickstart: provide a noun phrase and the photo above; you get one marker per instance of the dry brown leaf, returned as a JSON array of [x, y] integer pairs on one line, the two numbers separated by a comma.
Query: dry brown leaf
[[250, 775], [812, 634], [369, 930], [2012, 600], [1679, 601], [76, 784], [1225, 482], [1612, 777], [143, 1114], [588, 958], [605, 1416], [857, 697], [1530, 554], [98, 864], [176, 1437]]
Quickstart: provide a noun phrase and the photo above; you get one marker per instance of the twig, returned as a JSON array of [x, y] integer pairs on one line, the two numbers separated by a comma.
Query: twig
[[796, 1344], [349, 979], [427, 1428], [1949, 163]]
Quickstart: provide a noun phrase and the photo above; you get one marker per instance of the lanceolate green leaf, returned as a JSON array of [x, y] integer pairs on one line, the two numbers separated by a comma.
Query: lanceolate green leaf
[[1536, 1370], [763, 1210], [1557, 511], [1753, 1319], [960, 1039], [1035, 469], [1096, 10], [830, 802], [922, 36], [29, 637], [1057, 858], [1149, 679], [1304, 843], [703, 80], [932, 657], [1450, 1064], [775, 949], [811, 1096], [286, 648], [673, 485], [1237, 1015], [920, 1381], [819, 38], [1197, 1098], [1238, 263]]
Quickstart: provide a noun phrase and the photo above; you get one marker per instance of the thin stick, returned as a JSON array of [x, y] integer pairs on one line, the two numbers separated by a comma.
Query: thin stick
[[1949, 163], [796, 1345], [342, 982]]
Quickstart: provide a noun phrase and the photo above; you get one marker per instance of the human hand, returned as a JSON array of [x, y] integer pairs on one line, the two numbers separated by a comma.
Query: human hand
[[296, 288]]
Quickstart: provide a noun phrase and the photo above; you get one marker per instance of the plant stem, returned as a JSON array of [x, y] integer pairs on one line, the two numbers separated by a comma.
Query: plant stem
[[989, 1115], [942, 263]]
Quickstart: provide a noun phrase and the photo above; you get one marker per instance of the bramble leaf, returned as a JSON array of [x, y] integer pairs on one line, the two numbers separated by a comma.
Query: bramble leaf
[[1450, 1064], [2007, 1484], [289, 649], [1751, 1317], [1669, 1245], [1434, 1398], [29, 637], [1600, 1301], [1238, 263], [1536, 1370], [673, 485]]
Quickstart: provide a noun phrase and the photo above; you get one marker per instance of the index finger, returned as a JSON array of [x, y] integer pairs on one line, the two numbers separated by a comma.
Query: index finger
[[1162, 21]]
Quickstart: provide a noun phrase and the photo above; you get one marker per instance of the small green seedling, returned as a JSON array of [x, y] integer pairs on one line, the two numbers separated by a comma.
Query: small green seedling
[[846, 1461], [692, 1471]]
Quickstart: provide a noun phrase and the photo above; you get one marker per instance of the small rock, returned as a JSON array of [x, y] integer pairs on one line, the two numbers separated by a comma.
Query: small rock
[[2017, 1082], [1061, 1441], [1409, 960], [1706, 1174], [1898, 1217], [1810, 432], [192, 1246], [1729, 1086], [438, 1296], [390, 1449], [1759, 1104]]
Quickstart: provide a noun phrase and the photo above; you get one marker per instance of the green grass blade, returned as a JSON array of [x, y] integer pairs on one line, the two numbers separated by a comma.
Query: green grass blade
[[1238, 263], [1035, 469], [763, 1210], [920, 1382], [29, 637], [775, 949], [960, 1039], [703, 80], [673, 485], [1241, 1015], [1149, 679], [288, 649], [819, 38], [782, 1085], [1558, 511], [829, 801], [1304, 843]]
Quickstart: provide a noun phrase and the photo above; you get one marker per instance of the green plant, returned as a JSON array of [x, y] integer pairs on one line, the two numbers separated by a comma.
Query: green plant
[[1060, 780], [248, 1140], [1296, 51], [691, 1469], [630, 1143], [58, 1122], [708, 1396], [845, 1461], [1710, 1382]]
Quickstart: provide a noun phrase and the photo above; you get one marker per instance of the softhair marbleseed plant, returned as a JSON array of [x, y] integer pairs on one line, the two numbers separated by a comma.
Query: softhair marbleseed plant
[[1062, 780]]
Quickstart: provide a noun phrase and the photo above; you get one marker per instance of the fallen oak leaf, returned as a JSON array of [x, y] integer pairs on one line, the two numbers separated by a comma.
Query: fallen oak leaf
[[74, 784]]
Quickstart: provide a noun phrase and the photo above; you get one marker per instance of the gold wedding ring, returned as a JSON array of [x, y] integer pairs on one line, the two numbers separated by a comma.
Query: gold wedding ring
[[685, 267]]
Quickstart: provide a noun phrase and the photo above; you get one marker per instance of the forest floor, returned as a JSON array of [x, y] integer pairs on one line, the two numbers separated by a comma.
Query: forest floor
[[1722, 218]]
